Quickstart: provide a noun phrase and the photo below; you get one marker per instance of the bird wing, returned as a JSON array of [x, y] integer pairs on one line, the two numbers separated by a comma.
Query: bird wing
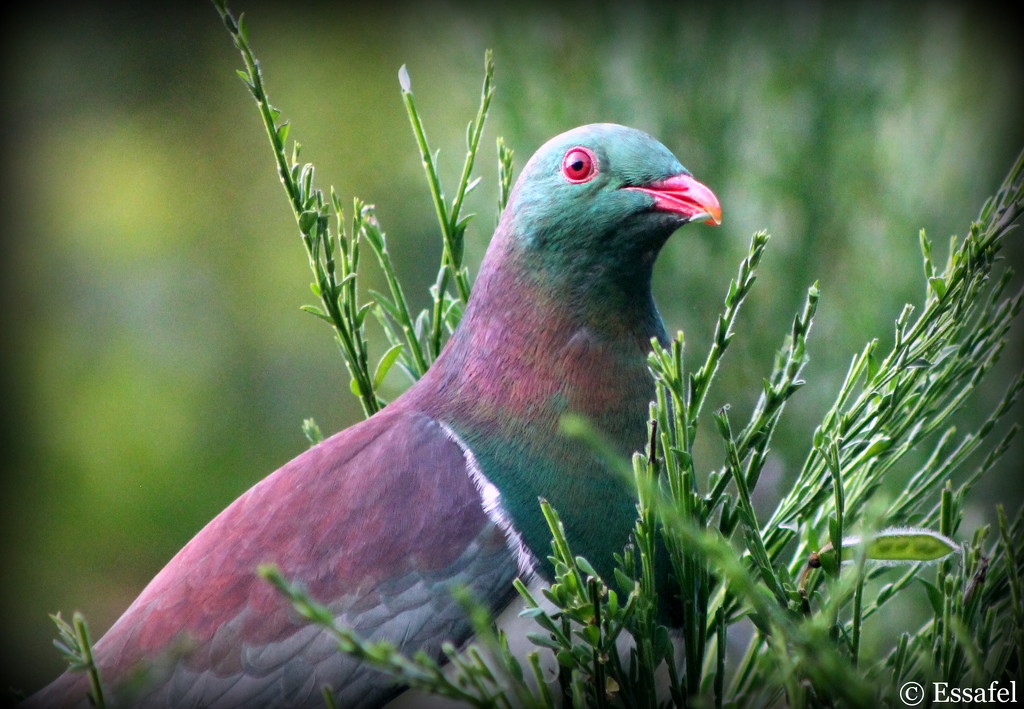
[[377, 522]]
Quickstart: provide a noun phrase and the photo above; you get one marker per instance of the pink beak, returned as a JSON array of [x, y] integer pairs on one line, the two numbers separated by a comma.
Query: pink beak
[[684, 195]]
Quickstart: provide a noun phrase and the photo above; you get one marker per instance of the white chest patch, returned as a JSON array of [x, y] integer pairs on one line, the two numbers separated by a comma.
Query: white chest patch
[[490, 500]]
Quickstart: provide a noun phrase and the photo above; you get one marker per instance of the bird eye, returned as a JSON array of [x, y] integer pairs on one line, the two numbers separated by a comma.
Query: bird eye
[[579, 165]]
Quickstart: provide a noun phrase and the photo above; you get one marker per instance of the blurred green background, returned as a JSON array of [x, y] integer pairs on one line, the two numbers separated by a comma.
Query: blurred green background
[[156, 363]]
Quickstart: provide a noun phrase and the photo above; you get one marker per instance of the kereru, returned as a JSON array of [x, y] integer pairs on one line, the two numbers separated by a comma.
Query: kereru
[[441, 487]]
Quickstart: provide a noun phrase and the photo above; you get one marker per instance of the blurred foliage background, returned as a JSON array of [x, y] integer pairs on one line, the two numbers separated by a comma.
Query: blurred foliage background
[[156, 363]]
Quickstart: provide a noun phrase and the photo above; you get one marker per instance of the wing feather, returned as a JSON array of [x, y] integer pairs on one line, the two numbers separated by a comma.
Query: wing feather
[[377, 522]]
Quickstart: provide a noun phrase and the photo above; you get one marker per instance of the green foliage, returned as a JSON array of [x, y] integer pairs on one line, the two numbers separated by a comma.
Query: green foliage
[[799, 584], [334, 255], [732, 568], [75, 645], [333, 258]]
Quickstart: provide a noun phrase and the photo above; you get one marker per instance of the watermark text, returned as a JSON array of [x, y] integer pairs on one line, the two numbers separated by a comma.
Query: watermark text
[[913, 693]]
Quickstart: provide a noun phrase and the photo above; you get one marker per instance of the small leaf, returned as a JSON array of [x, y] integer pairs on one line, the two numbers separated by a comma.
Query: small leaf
[[585, 567], [363, 309], [878, 445], [623, 580], [813, 538], [938, 285], [834, 532], [926, 252], [385, 304], [542, 640], [612, 604], [934, 596], [312, 431], [403, 79], [873, 366], [459, 228], [385, 364], [313, 310], [282, 132], [684, 458], [243, 28], [819, 438], [307, 221], [346, 279], [900, 544], [422, 324]]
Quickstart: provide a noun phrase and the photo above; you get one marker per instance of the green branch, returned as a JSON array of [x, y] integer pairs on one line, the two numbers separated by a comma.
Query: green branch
[[449, 217]]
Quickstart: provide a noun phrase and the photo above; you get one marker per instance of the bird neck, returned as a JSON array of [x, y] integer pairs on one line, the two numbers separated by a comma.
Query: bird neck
[[532, 343], [527, 352], [610, 297]]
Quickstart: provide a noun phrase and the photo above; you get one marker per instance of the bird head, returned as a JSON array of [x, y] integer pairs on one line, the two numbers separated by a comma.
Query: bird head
[[602, 198]]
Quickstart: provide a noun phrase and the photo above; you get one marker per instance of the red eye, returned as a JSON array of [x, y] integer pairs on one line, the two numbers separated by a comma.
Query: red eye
[[579, 165]]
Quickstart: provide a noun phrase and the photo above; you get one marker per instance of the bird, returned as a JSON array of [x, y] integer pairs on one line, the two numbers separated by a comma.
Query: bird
[[440, 487]]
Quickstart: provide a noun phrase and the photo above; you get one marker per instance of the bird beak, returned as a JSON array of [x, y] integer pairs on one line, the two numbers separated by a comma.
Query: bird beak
[[684, 195]]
